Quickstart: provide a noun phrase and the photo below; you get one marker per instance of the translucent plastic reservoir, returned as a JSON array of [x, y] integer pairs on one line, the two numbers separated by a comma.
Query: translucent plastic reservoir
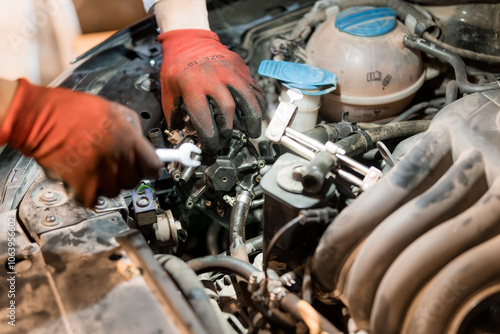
[[377, 75]]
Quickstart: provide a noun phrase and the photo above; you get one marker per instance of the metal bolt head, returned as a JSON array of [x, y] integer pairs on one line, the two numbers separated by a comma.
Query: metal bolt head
[[50, 221], [100, 201], [49, 197], [143, 201]]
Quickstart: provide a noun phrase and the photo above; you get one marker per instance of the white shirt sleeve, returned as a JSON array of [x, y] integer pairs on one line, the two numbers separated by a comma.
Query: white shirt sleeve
[[148, 5]]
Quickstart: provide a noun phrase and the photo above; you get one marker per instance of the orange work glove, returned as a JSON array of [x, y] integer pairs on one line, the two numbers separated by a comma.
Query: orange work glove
[[213, 83], [95, 146]]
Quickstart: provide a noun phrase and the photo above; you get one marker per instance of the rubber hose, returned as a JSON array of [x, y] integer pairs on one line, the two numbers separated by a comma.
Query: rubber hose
[[242, 269], [413, 110], [444, 200], [455, 61], [490, 59], [358, 143], [429, 254], [237, 247], [290, 302], [191, 287], [357, 221], [468, 275], [222, 263]]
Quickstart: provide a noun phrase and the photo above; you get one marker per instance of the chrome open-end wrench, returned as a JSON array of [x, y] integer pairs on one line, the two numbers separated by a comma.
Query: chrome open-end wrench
[[186, 154]]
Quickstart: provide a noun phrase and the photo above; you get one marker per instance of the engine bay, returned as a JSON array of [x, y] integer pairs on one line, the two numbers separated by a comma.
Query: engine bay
[[368, 205]]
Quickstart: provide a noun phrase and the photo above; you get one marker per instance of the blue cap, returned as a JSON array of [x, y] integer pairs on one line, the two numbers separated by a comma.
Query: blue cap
[[366, 21], [310, 80]]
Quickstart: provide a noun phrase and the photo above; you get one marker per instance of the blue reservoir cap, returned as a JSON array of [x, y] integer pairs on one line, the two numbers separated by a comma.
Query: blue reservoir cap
[[311, 80], [366, 21]]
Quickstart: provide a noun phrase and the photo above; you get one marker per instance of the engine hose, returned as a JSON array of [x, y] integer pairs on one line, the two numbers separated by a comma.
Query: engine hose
[[428, 255], [458, 280], [490, 59], [416, 21], [415, 109], [455, 61], [361, 142], [302, 310], [357, 220], [244, 270], [191, 287], [444, 200], [237, 247], [222, 263]]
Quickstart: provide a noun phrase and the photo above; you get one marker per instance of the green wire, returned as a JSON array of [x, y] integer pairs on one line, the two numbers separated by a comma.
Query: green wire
[[143, 186]]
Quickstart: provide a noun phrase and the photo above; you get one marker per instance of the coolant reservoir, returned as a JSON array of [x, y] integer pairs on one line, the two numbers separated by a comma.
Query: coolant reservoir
[[377, 75]]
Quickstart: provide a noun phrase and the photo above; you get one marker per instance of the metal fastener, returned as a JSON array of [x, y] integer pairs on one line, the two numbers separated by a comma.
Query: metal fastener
[[49, 197], [50, 221], [143, 201]]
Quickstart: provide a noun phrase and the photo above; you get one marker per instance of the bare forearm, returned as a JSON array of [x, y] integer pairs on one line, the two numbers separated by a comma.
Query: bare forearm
[[181, 14], [7, 91]]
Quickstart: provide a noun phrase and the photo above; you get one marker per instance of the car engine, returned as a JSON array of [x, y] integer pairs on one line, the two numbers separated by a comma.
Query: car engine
[[370, 204]]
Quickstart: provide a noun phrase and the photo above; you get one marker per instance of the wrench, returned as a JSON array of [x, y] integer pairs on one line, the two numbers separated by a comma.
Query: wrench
[[185, 154]]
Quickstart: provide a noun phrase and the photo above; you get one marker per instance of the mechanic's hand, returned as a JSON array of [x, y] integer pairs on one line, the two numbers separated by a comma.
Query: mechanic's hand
[[213, 83], [95, 146]]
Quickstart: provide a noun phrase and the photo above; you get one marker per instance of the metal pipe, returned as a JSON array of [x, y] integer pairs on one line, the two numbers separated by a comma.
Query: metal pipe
[[444, 200], [301, 310], [424, 258], [356, 221], [237, 224], [156, 137], [460, 277]]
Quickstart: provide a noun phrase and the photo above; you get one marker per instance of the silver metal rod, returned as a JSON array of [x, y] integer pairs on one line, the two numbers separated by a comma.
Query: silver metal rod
[[350, 178], [297, 148], [315, 144], [353, 164]]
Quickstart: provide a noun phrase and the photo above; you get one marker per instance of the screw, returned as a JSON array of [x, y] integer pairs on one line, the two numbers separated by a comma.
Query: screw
[[143, 202]]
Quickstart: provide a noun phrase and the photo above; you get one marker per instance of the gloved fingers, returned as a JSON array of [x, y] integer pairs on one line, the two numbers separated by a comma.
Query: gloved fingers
[[202, 118], [147, 163], [126, 114], [175, 117], [128, 174], [223, 109], [248, 110], [108, 177]]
